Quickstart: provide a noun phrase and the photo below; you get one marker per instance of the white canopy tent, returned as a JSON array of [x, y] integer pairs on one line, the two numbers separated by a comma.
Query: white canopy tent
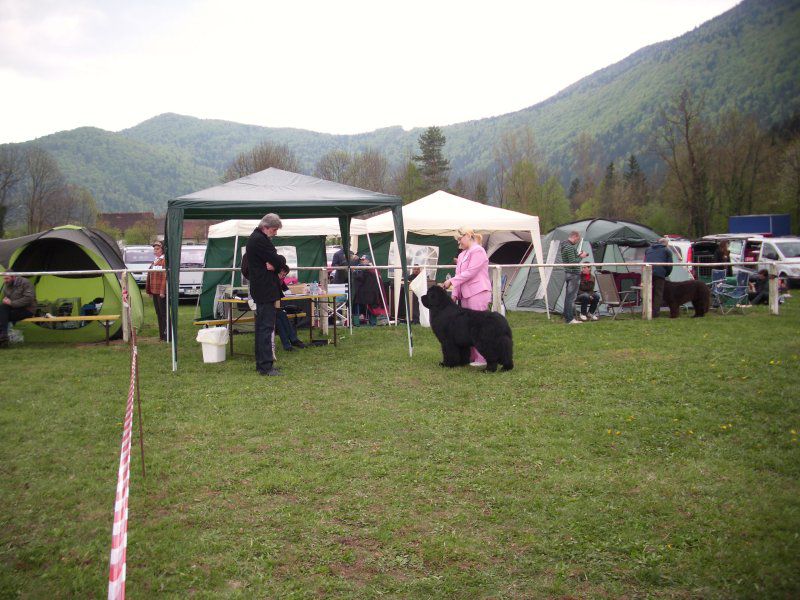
[[442, 214], [291, 227]]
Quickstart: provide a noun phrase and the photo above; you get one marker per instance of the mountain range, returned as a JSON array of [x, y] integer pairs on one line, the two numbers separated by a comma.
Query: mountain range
[[746, 59]]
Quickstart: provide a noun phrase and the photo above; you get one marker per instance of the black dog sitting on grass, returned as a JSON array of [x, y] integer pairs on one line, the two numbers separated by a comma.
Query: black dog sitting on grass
[[457, 329], [679, 293]]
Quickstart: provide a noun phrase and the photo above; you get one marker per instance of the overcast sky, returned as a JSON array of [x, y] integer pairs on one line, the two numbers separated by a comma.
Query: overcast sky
[[337, 67]]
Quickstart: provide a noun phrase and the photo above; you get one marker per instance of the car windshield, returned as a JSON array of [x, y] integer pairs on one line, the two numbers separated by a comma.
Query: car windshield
[[145, 255], [789, 249], [192, 256]]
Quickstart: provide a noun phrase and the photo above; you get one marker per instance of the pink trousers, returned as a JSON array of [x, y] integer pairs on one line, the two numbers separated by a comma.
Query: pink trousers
[[479, 301]]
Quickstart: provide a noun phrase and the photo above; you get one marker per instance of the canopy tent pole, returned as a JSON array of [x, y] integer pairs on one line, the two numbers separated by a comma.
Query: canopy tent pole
[[173, 235], [344, 229], [377, 275], [233, 262], [399, 232], [536, 240]]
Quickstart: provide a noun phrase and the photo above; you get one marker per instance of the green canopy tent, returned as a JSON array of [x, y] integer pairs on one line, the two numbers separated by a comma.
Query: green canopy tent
[[71, 248], [289, 195]]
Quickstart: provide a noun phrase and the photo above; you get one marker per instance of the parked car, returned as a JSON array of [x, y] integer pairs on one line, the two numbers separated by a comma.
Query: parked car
[[138, 257], [784, 252], [190, 283], [681, 249], [329, 252], [735, 243]]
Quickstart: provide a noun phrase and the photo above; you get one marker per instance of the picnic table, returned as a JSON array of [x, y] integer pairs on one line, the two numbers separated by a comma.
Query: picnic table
[[244, 317]]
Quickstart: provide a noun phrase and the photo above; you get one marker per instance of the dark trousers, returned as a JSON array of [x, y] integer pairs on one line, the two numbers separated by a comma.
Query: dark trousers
[[265, 336], [759, 297], [658, 295], [160, 304], [11, 315], [571, 283], [286, 330], [588, 299]]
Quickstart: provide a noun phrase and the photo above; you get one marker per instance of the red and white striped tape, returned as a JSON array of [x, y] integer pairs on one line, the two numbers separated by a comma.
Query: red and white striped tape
[[119, 534]]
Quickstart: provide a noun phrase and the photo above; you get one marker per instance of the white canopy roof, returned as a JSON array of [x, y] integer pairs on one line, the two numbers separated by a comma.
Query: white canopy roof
[[442, 214], [291, 227]]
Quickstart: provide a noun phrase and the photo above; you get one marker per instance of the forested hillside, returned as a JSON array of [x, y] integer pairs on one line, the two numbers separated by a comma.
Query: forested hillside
[[747, 59]]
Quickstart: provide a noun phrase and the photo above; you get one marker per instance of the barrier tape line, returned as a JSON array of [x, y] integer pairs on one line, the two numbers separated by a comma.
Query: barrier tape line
[[119, 533]]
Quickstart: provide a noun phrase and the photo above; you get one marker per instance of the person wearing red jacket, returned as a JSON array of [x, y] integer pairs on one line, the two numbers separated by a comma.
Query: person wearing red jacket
[[156, 288]]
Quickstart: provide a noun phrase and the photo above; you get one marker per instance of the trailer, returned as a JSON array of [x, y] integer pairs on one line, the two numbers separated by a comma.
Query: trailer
[[770, 225]]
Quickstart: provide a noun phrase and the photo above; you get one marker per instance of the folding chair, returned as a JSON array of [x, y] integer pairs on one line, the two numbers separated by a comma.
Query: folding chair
[[733, 297], [610, 295], [717, 279], [341, 310]]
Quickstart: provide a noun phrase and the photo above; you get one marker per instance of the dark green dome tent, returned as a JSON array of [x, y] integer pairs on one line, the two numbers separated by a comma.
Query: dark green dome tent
[[71, 248], [605, 240]]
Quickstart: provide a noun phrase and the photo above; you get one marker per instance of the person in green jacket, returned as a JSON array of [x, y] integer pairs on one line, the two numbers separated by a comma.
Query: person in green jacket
[[572, 275]]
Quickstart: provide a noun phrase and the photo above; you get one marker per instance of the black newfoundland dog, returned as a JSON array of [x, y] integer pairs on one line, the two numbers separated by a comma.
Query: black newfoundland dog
[[457, 329], [679, 293]]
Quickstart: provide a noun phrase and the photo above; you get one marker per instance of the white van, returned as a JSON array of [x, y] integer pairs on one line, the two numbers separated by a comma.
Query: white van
[[138, 257], [190, 283], [784, 252]]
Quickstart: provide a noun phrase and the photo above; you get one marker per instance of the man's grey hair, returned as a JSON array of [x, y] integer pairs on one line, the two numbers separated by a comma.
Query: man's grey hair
[[664, 241], [270, 220], [574, 234]]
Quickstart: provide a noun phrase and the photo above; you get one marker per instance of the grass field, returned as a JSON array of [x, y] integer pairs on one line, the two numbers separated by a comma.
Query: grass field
[[618, 459]]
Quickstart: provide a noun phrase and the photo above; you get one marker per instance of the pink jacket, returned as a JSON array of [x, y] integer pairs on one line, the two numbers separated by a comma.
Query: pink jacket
[[472, 273]]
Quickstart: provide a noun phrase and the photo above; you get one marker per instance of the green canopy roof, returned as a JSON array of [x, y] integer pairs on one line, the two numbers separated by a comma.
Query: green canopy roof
[[290, 196]]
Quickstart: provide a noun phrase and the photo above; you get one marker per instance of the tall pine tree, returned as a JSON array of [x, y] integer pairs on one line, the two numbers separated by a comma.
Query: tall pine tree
[[433, 166]]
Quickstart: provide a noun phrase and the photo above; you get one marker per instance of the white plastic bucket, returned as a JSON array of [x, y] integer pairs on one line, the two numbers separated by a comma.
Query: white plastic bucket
[[213, 341]]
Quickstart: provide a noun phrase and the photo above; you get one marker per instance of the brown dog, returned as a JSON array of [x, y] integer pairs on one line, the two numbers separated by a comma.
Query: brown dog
[[678, 293]]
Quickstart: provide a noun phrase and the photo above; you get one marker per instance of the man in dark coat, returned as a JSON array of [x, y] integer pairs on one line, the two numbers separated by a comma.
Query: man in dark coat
[[659, 252], [338, 260], [264, 264]]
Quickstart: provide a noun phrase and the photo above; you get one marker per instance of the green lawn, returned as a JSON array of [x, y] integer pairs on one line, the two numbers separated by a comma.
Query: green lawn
[[618, 459]]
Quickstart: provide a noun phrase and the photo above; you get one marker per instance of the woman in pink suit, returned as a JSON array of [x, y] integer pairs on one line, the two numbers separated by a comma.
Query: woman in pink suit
[[471, 284]]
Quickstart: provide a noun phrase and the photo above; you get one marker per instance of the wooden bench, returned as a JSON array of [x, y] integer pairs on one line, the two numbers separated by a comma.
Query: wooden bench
[[220, 322], [105, 320]]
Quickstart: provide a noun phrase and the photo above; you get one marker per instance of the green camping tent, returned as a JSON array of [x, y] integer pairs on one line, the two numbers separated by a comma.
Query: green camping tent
[[605, 240], [71, 248], [290, 195]]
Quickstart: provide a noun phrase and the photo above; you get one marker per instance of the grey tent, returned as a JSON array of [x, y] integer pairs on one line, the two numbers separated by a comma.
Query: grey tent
[[291, 196], [605, 240]]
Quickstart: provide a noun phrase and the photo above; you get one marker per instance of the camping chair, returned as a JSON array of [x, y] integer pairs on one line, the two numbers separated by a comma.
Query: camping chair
[[717, 279], [341, 310], [732, 297], [610, 295]]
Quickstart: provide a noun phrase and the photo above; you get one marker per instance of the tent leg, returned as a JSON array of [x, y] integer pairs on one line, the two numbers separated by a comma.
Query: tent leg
[[171, 338], [546, 303], [380, 280], [349, 296]]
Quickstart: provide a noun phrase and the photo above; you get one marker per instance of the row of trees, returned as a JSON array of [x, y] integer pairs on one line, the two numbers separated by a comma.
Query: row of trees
[[700, 171], [35, 193]]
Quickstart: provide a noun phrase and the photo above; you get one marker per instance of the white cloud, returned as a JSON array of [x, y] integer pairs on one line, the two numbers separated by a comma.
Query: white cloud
[[339, 67]]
